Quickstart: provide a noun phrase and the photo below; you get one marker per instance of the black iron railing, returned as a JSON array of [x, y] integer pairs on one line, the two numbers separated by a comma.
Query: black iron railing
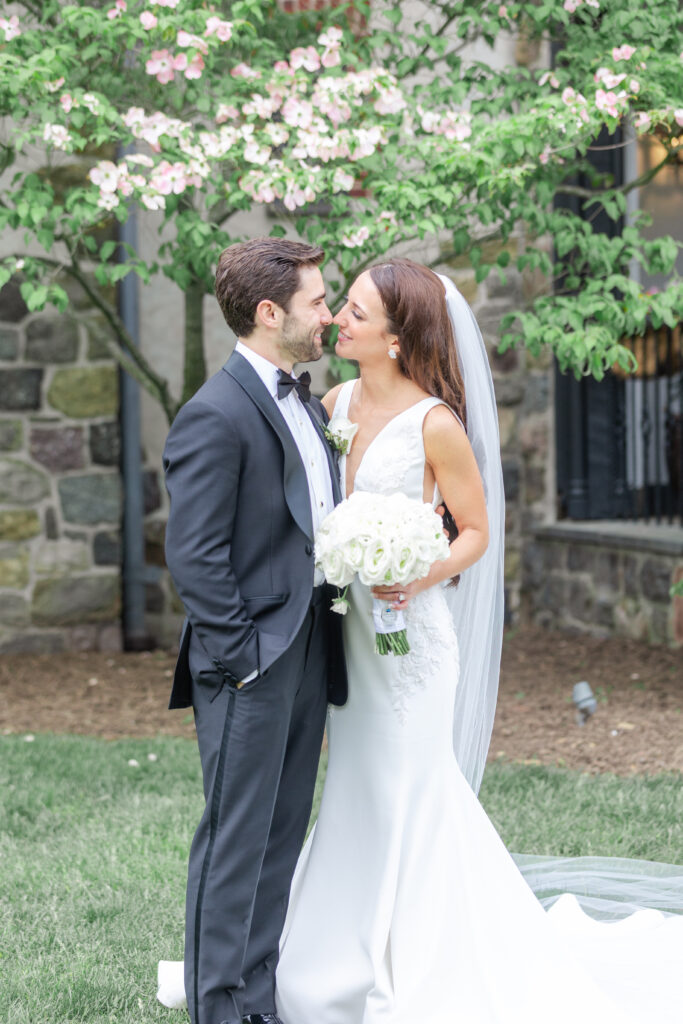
[[620, 441]]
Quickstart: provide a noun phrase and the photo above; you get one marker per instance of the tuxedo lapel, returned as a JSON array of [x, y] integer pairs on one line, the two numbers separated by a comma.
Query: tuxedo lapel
[[295, 480], [331, 461]]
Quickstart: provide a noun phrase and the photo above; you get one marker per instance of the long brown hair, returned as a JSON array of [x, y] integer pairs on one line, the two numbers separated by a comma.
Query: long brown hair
[[414, 301]]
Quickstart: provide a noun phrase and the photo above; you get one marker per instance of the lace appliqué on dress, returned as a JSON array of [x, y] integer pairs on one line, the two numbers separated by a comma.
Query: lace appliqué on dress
[[385, 468], [431, 635]]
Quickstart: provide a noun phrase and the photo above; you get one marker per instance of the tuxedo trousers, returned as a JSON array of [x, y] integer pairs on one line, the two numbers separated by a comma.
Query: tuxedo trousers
[[259, 747]]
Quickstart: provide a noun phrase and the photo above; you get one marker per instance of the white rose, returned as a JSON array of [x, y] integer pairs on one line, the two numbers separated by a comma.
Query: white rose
[[376, 564], [342, 431], [335, 568], [340, 605], [354, 553], [403, 563]]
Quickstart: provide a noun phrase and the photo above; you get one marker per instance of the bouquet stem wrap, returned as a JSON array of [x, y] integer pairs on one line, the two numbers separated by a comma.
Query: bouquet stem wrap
[[386, 540], [391, 635]]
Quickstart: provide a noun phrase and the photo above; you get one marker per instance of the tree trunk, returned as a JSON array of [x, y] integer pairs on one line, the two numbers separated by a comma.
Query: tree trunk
[[194, 372]]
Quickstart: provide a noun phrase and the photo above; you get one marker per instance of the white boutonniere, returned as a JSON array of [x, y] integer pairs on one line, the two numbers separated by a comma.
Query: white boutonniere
[[340, 433]]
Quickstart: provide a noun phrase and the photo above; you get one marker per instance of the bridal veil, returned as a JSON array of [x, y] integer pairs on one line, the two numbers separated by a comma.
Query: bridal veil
[[606, 887]]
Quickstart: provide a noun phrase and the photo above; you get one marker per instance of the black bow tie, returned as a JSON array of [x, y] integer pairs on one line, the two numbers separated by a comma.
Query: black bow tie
[[287, 382]]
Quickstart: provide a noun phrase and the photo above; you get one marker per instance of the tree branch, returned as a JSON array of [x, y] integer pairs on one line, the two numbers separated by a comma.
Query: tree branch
[[644, 179], [135, 364]]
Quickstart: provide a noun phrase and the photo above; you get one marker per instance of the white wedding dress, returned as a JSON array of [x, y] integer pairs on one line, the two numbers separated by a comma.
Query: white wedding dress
[[406, 908]]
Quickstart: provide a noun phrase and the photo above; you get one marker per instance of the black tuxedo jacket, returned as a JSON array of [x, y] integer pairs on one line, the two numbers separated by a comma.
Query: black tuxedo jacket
[[239, 541]]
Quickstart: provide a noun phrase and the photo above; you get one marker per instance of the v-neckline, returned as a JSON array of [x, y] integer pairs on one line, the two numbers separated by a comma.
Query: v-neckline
[[427, 398]]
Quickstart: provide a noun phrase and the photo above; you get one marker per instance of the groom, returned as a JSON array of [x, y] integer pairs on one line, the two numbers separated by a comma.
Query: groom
[[250, 477]]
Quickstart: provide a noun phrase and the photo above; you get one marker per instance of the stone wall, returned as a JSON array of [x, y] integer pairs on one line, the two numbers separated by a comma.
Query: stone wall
[[60, 489], [589, 579]]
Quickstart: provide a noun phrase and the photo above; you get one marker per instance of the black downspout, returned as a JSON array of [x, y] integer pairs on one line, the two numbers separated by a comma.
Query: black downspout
[[135, 636]]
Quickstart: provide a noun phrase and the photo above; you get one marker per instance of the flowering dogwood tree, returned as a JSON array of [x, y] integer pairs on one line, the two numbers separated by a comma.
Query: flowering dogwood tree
[[194, 111]]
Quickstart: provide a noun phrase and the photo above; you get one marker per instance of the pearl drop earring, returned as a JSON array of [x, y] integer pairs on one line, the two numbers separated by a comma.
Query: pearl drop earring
[[391, 353]]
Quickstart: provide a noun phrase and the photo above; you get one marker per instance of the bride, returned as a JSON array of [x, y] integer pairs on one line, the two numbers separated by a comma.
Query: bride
[[406, 907]]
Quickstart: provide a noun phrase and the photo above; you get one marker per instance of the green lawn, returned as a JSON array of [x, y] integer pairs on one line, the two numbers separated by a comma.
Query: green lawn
[[93, 855]]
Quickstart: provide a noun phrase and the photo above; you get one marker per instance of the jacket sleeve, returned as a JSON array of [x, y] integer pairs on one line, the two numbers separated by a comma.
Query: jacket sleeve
[[202, 466]]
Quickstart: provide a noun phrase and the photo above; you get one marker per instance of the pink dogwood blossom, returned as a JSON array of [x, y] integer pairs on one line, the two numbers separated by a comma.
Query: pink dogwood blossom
[[256, 154], [186, 39], [607, 102], [391, 101], [331, 41], [57, 135], [119, 8], [221, 29], [642, 121], [225, 112], [148, 20], [105, 175], [153, 201], [10, 26], [678, 117], [195, 67], [330, 58], [243, 70], [163, 65], [108, 200], [355, 239], [306, 58], [342, 181], [169, 178], [608, 78], [624, 52], [92, 103], [261, 106], [297, 113]]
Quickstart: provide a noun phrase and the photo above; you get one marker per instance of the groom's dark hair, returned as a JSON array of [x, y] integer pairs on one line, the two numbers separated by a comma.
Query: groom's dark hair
[[262, 268]]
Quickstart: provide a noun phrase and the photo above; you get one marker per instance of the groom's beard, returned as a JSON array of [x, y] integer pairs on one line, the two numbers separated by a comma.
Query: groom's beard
[[300, 342]]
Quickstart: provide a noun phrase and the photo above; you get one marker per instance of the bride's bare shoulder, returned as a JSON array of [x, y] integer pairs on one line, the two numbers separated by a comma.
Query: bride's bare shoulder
[[329, 400], [442, 426]]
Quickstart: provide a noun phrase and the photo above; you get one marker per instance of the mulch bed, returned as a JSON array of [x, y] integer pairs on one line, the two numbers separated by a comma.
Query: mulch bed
[[637, 728]]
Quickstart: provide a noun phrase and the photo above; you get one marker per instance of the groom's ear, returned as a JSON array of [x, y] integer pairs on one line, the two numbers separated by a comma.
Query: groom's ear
[[269, 314]]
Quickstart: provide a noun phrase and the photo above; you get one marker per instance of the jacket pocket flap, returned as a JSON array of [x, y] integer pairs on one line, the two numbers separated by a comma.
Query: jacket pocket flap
[[257, 605]]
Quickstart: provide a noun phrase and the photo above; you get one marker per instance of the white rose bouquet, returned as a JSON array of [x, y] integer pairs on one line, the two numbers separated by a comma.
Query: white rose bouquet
[[385, 539]]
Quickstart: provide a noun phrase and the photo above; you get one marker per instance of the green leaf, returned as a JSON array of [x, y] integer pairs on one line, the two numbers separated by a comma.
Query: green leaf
[[107, 250], [46, 238], [37, 298]]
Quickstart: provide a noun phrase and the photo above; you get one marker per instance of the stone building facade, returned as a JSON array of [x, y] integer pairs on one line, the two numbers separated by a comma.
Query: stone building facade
[[60, 486], [61, 492]]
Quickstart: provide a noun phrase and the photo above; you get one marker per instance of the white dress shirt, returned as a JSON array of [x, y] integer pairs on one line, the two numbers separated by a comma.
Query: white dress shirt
[[307, 439]]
